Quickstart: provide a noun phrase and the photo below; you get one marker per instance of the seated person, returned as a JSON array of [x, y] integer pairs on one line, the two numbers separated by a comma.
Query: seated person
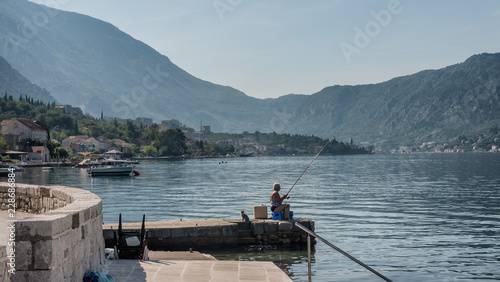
[[277, 201]]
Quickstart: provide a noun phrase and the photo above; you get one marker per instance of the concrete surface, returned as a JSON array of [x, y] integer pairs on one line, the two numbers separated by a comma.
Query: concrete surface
[[165, 255], [194, 271]]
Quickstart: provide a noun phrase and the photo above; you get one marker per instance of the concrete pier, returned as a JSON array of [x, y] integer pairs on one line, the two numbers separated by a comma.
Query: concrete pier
[[194, 271], [182, 234]]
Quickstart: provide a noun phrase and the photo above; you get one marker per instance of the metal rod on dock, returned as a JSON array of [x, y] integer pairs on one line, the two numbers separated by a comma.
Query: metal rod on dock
[[311, 233]]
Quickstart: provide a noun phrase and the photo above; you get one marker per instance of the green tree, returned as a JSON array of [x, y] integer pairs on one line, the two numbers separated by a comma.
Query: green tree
[[60, 152], [76, 130], [163, 151], [150, 150], [131, 152], [150, 132], [171, 142], [3, 144], [131, 131]]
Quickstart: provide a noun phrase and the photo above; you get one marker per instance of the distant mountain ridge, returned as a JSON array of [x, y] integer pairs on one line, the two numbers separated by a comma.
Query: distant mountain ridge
[[91, 64], [427, 106], [16, 85]]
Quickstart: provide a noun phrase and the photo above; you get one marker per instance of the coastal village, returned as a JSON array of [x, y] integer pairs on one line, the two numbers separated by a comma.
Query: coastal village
[[26, 140], [18, 133]]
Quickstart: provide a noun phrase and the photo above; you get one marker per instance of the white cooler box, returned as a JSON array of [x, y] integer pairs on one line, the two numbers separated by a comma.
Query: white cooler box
[[260, 212]]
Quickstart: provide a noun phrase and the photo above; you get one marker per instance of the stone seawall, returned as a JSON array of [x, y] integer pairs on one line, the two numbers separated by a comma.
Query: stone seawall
[[4, 268], [180, 235], [62, 240], [37, 200]]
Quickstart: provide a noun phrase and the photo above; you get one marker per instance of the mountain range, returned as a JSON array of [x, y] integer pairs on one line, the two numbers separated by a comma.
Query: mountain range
[[432, 105], [11, 81], [91, 64]]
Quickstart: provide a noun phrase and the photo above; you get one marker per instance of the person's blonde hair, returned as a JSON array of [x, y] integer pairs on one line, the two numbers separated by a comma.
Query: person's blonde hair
[[276, 185]]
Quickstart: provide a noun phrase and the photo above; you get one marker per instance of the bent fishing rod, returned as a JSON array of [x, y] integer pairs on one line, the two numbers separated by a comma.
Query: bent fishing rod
[[309, 165]]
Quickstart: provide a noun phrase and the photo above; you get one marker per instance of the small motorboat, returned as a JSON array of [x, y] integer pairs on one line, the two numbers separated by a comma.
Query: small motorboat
[[15, 168], [5, 171], [111, 167]]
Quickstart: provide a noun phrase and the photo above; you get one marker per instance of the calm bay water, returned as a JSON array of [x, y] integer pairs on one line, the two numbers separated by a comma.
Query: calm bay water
[[415, 217]]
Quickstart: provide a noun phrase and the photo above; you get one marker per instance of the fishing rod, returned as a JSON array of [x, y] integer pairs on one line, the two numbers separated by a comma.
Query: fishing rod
[[309, 164]]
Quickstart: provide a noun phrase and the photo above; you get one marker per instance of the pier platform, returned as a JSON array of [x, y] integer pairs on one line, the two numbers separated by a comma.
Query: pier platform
[[194, 271], [182, 234], [202, 234]]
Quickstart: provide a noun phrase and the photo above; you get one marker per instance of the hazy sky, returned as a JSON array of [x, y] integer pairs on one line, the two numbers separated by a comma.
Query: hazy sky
[[272, 48]]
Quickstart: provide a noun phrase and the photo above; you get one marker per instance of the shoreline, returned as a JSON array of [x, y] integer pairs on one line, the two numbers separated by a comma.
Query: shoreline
[[184, 157]]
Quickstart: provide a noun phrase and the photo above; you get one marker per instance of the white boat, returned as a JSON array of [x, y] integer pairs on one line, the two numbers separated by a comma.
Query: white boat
[[87, 163], [111, 167], [15, 168], [5, 171]]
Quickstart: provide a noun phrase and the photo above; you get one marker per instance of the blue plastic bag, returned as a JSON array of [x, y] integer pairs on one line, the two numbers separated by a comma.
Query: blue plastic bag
[[97, 276]]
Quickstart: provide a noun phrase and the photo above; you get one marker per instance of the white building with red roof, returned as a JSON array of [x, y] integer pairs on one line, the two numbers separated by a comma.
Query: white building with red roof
[[39, 153], [17, 131]]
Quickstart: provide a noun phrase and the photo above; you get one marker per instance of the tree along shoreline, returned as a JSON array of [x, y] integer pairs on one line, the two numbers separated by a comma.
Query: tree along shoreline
[[159, 140]]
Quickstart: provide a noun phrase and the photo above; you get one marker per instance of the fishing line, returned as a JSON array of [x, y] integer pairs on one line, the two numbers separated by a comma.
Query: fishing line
[[309, 165]]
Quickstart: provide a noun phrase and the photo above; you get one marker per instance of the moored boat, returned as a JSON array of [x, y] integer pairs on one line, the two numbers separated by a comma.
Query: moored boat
[[111, 167], [4, 171], [15, 168]]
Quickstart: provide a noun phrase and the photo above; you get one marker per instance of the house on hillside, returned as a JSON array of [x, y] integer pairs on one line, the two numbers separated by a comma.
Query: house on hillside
[[82, 146], [121, 144], [205, 129], [66, 142], [16, 132], [82, 143], [100, 144], [39, 153], [143, 120], [68, 109], [190, 146], [79, 143], [172, 123]]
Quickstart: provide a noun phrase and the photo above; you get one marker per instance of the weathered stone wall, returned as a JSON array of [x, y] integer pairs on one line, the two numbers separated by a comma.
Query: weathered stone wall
[[38, 200], [63, 240], [179, 235], [4, 274], [275, 232]]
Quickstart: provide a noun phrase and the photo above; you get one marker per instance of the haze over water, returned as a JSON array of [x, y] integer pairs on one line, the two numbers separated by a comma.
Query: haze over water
[[415, 217]]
